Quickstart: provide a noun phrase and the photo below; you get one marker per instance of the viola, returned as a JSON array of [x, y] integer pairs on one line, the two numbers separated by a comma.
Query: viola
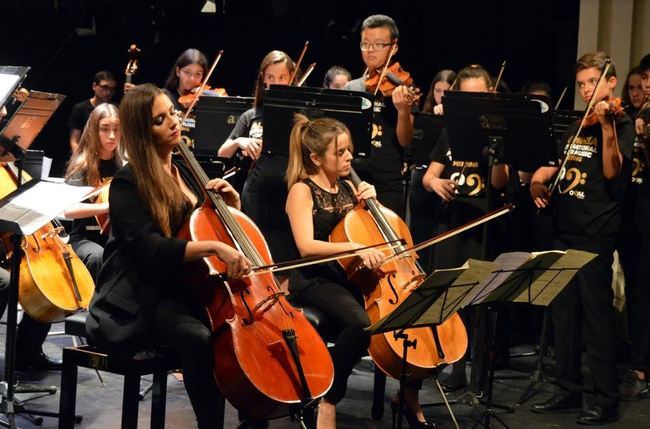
[[267, 354], [54, 282], [615, 111], [385, 288]]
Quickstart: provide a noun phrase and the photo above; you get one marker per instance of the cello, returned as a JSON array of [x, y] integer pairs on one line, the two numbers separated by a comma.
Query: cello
[[54, 282], [267, 354], [385, 288]]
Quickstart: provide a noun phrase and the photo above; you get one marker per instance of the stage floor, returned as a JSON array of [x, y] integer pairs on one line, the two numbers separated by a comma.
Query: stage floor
[[100, 405]]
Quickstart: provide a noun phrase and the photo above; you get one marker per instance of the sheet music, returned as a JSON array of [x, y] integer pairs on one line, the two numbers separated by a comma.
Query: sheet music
[[41, 203], [560, 272], [7, 84]]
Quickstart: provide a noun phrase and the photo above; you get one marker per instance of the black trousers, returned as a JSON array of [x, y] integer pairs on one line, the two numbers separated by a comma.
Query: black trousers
[[177, 328], [90, 253], [424, 208], [344, 309], [30, 334], [634, 251], [584, 311]]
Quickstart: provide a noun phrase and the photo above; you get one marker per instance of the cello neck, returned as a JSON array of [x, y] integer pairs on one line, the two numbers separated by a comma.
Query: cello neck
[[374, 209], [221, 208]]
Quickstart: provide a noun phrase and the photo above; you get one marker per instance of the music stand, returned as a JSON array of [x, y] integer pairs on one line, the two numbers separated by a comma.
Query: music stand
[[10, 79], [352, 108], [437, 298], [427, 128], [23, 212], [533, 278]]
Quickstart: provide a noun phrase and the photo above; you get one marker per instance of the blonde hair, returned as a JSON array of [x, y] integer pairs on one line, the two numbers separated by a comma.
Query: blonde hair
[[160, 192], [85, 157], [309, 137]]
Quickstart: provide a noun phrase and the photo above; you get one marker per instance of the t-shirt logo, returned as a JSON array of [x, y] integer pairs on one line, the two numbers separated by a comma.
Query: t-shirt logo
[[256, 131], [575, 178], [377, 132]]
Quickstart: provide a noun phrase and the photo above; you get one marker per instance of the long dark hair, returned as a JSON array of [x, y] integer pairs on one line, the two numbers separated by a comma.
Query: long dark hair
[[190, 56], [448, 76], [159, 191], [273, 57]]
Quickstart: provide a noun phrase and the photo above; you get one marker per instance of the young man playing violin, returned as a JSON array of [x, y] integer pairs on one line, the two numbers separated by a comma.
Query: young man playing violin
[[587, 216], [392, 128]]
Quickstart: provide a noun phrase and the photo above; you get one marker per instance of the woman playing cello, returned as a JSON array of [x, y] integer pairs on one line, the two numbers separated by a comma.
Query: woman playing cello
[[319, 158], [140, 300]]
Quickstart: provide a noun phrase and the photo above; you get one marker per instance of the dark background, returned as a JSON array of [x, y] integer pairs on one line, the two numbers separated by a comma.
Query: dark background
[[537, 38]]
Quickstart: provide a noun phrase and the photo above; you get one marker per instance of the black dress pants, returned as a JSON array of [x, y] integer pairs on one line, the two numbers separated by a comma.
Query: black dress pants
[[584, 311], [344, 309]]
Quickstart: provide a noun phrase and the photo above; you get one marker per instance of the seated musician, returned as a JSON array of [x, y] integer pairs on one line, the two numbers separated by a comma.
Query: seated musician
[[319, 158], [140, 300], [96, 159], [336, 77], [30, 334], [587, 216]]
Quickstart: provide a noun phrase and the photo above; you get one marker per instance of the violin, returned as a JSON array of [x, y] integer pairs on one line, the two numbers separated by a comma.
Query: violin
[[385, 288], [207, 91], [390, 78], [54, 282], [615, 111], [102, 197], [267, 355]]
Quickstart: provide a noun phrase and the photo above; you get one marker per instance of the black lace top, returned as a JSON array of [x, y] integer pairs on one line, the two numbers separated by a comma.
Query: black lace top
[[329, 208]]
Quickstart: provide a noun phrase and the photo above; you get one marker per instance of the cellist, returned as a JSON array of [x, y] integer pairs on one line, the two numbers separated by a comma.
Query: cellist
[[140, 299], [30, 334], [587, 216], [319, 158]]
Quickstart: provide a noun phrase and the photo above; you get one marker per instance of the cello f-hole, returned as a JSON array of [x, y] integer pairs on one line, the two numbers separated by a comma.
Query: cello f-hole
[[248, 310], [392, 289]]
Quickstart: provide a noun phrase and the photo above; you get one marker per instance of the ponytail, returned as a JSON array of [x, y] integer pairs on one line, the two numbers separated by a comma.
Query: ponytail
[[309, 137], [296, 169]]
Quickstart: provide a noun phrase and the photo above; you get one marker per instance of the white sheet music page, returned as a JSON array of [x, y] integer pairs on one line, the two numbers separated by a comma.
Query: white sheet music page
[[41, 203], [7, 84]]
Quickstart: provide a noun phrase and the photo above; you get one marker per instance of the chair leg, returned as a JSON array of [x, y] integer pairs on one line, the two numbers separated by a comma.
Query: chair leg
[[130, 401], [378, 393], [68, 394], [158, 399]]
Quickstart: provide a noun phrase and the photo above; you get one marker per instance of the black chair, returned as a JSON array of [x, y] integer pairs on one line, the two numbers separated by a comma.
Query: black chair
[[142, 363]]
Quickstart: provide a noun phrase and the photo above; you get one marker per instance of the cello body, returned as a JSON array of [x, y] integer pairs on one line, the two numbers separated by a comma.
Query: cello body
[[54, 282], [267, 354], [383, 291]]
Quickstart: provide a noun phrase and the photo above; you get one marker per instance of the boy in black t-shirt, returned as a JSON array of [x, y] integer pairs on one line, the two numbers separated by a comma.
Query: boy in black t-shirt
[[587, 216], [392, 128], [104, 86]]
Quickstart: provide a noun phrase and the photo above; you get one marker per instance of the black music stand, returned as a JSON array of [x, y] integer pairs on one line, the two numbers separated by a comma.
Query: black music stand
[[20, 220], [437, 298], [533, 278], [492, 128], [352, 108]]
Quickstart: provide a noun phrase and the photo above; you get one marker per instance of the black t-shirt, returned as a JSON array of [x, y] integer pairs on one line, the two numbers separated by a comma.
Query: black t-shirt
[[249, 124], [87, 228], [174, 96], [384, 170], [588, 206], [80, 114], [470, 176], [640, 167]]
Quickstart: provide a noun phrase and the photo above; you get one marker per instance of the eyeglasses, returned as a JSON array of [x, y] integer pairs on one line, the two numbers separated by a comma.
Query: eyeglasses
[[375, 46]]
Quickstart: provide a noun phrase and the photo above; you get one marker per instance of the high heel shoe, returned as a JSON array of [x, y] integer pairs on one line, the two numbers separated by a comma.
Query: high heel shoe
[[411, 418]]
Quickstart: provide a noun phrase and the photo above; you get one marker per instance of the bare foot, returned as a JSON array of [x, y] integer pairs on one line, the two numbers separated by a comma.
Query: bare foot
[[326, 415]]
